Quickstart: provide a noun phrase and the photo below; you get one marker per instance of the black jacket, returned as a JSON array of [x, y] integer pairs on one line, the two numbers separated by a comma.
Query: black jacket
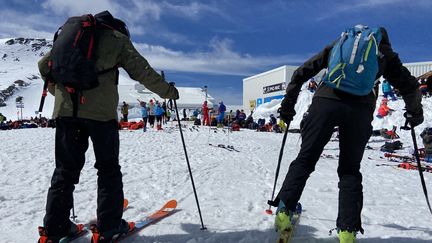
[[390, 67]]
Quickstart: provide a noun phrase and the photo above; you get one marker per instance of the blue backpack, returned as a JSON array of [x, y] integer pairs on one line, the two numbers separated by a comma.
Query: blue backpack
[[353, 61]]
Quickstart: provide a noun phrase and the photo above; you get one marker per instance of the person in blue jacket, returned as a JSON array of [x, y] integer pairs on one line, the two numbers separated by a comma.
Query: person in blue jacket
[[159, 112], [144, 114], [222, 109], [387, 90]]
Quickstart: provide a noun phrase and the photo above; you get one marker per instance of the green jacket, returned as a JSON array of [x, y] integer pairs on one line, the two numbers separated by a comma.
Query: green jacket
[[113, 49]]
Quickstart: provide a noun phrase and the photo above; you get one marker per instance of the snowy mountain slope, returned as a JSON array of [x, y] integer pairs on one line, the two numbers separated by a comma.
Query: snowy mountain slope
[[19, 58]]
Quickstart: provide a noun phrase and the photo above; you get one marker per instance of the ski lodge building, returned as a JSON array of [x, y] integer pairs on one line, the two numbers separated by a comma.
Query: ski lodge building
[[264, 87]]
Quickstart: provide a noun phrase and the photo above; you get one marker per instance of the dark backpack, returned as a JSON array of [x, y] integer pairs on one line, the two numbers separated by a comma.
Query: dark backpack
[[390, 147], [72, 62], [353, 61]]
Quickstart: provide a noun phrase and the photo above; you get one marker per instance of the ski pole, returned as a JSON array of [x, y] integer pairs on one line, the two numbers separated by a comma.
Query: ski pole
[[189, 168], [416, 154], [271, 202], [73, 217], [187, 159], [44, 94]]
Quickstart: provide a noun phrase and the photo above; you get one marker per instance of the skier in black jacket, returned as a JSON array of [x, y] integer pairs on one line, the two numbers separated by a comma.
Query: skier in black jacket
[[353, 115]]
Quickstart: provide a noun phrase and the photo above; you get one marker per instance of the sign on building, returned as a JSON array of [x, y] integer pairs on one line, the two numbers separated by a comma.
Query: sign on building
[[273, 88], [252, 104]]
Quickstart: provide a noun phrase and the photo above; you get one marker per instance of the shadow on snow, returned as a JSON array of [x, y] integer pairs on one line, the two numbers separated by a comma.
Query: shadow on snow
[[193, 234]]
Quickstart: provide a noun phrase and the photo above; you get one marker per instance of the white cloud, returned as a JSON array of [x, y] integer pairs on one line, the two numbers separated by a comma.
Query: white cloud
[[17, 24], [193, 10], [359, 5], [78, 7], [141, 16], [142, 12], [220, 59]]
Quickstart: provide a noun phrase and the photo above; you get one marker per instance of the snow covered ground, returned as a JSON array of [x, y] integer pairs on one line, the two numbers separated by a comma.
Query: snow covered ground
[[233, 187]]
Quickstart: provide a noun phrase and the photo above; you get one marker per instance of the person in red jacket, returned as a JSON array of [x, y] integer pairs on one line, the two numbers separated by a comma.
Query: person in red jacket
[[205, 112], [384, 110]]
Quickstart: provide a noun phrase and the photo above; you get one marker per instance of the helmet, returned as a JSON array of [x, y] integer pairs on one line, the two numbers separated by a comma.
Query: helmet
[[384, 100]]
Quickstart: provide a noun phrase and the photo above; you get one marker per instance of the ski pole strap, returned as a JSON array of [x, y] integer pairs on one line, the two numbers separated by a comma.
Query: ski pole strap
[[75, 100], [170, 104], [273, 203]]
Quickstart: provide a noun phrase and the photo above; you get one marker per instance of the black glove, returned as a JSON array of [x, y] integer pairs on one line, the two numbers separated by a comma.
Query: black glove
[[414, 119], [414, 109], [287, 111], [173, 93]]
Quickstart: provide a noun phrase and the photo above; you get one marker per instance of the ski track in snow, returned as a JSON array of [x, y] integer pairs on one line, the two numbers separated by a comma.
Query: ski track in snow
[[233, 188]]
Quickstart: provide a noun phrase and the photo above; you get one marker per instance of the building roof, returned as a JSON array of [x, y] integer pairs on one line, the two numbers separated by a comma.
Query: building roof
[[270, 71], [425, 75]]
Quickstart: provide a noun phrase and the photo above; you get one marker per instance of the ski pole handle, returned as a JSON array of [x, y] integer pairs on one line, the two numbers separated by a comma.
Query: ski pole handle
[[406, 127]]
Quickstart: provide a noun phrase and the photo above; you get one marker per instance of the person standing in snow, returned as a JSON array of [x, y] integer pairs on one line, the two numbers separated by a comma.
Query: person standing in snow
[[331, 107], [205, 112], [125, 111], [184, 114], [159, 111], [221, 116], [151, 114], [144, 114], [95, 118], [387, 90], [168, 115]]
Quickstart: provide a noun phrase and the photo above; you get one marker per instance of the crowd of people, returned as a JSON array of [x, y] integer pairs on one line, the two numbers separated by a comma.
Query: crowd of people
[[152, 113], [155, 114], [33, 122]]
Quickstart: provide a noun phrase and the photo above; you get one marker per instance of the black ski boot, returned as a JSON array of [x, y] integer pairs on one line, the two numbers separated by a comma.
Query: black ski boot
[[110, 236]]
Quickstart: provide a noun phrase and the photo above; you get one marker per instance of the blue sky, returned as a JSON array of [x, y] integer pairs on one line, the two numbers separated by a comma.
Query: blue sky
[[219, 42]]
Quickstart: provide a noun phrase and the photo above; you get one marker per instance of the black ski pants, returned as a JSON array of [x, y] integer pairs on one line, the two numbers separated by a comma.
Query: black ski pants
[[354, 121], [71, 143], [151, 119]]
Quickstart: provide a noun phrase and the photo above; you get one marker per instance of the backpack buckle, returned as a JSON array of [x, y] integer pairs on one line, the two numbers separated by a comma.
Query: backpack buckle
[[70, 90], [86, 24]]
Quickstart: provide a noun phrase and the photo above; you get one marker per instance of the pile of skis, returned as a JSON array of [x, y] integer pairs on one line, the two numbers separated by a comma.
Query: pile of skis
[[405, 162], [223, 146]]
